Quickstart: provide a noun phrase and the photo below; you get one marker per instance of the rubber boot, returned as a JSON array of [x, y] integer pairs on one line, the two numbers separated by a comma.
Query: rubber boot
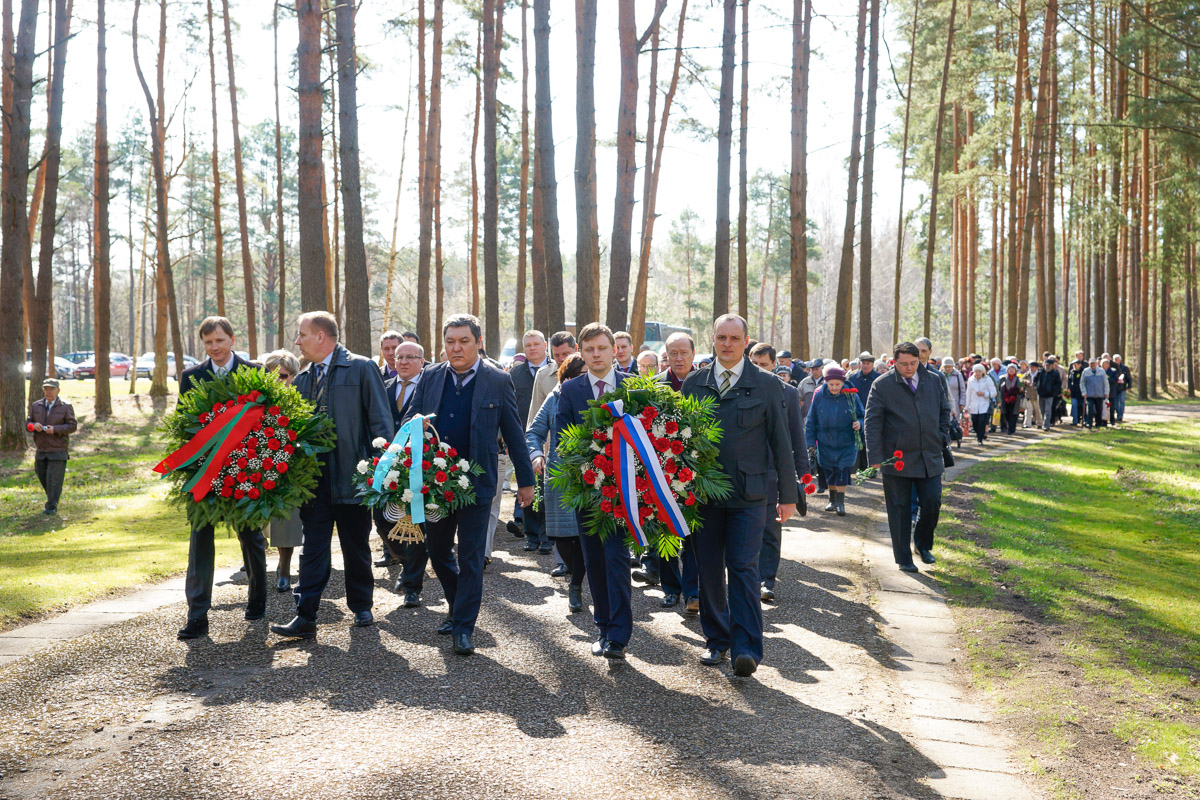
[[840, 502], [832, 501]]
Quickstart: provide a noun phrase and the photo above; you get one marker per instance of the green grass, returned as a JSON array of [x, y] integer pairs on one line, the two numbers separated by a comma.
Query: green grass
[[114, 529], [1099, 533]]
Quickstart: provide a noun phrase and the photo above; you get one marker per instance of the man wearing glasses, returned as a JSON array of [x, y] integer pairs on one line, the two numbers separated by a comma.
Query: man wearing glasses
[[410, 361]]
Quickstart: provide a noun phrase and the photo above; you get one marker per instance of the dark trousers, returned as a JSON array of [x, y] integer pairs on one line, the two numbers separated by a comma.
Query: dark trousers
[[353, 523], [413, 556], [769, 553], [680, 575], [571, 552], [1008, 416], [461, 578], [727, 549], [897, 493], [1095, 412], [979, 424], [607, 565], [51, 472], [198, 584], [535, 521]]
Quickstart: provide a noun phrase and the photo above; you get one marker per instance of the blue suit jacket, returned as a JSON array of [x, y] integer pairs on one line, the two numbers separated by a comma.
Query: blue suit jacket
[[493, 415]]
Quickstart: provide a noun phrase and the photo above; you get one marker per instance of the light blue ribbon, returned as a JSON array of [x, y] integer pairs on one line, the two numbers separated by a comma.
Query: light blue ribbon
[[413, 434]]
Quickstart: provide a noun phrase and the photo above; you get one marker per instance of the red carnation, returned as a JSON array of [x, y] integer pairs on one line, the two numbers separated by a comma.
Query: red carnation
[[274, 444], [641, 484], [454, 468], [677, 448], [452, 453], [598, 461], [670, 467], [406, 462], [672, 426], [426, 448], [608, 449], [810, 488], [269, 432], [851, 390], [606, 506], [691, 499], [29, 427], [686, 474], [425, 465], [407, 449], [392, 486], [806, 478], [370, 481], [287, 448], [256, 477], [647, 423], [281, 468], [440, 476], [374, 462], [227, 492], [268, 485], [291, 435], [598, 435], [424, 490], [241, 476], [239, 494], [449, 495], [608, 491], [607, 468], [589, 476], [662, 445], [273, 410], [650, 412], [645, 511], [899, 465], [268, 463], [254, 493], [228, 480], [241, 462], [897, 454]]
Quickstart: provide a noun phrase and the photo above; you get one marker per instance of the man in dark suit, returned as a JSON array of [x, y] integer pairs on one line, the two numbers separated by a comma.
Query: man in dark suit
[[763, 356], [606, 562], [413, 557], [475, 406], [523, 375], [908, 410], [216, 333], [749, 408], [388, 342], [349, 389]]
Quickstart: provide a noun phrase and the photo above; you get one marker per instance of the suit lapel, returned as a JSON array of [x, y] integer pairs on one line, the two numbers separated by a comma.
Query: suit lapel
[[480, 390], [433, 398]]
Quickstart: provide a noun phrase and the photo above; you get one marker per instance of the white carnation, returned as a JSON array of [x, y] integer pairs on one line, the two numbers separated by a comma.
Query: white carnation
[[393, 449], [439, 462], [658, 429], [463, 482], [463, 464], [363, 466], [679, 486], [379, 442], [444, 447], [695, 456], [407, 496], [686, 433], [391, 477], [599, 481], [597, 448]]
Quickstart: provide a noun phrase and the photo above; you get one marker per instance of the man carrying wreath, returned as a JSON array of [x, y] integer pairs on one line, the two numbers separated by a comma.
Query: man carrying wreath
[[216, 334], [749, 407], [474, 405]]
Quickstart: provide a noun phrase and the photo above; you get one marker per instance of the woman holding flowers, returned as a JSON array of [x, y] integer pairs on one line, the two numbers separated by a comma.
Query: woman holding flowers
[[561, 523], [835, 425]]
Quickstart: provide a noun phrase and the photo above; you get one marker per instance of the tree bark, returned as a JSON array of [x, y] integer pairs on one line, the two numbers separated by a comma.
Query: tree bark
[[313, 296], [621, 245], [555, 314], [473, 256], [743, 131], [218, 233], [865, 295], [798, 180], [724, 158], [491, 178], [523, 197], [240, 181], [102, 341], [358, 320], [926, 311], [845, 285], [587, 241], [280, 249]]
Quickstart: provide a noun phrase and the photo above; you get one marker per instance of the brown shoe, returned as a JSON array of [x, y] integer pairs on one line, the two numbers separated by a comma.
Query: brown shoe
[[692, 606]]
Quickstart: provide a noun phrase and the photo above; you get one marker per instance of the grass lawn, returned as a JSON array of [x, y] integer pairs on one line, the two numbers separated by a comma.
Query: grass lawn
[[114, 529], [1075, 569]]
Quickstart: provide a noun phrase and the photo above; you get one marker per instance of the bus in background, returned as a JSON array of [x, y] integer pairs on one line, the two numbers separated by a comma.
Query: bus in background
[[657, 333]]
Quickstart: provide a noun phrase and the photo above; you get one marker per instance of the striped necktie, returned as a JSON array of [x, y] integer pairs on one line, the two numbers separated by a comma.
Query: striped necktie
[[726, 377]]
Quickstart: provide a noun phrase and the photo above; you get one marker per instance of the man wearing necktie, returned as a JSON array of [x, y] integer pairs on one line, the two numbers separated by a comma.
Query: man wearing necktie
[[348, 388], [388, 343], [606, 562], [749, 406], [523, 375], [908, 410], [474, 406], [410, 361]]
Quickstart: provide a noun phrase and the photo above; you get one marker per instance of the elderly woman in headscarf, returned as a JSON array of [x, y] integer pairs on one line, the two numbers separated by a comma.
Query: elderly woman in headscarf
[[835, 423], [981, 391], [1012, 391]]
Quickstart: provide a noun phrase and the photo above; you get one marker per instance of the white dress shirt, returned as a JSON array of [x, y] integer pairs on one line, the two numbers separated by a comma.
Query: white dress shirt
[[610, 382], [736, 370]]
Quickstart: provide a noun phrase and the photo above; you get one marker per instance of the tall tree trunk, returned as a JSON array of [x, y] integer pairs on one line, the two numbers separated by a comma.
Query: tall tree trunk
[[280, 249], [358, 321], [865, 295], [17, 95], [548, 184], [798, 179], [621, 245], [491, 179], [900, 226], [218, 233], [587, 241], [240, 180], [102, 341], [473, 257], [313, 295], [743, 131], [931, 246], [724, 159], [1112, 313], [523, 197], [430, 155], [537, 253], [845, 285]]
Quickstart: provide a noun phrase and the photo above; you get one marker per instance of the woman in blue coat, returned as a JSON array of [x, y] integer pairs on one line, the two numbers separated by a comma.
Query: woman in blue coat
[[834, 424], [561, 524]]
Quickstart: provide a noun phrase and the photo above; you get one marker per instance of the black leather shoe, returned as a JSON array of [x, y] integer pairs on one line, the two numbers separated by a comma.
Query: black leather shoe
[[614, 651], [909, 568], [634, 561], [298, 628], [744, 666], [194, 629], [284, 584], [927, 557], [363, 618], [387, 561], [711, 657], [462, 644], [766, 595], [670, 600], [255, 613], [598, 646], [692, 606], [515, 528], [530, 547], [645, 576], [412, 600], [446, 628], [558, 571], [575, 598], [546, 548]]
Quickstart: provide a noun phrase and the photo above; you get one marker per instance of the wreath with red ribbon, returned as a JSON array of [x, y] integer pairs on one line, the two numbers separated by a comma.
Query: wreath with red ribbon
[[244, 449]]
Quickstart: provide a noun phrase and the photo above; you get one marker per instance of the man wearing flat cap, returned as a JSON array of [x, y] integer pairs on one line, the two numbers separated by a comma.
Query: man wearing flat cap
[[51, 421]]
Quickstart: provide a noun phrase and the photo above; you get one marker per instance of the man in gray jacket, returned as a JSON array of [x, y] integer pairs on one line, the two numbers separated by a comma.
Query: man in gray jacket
[[908, 411], [1094, 385]]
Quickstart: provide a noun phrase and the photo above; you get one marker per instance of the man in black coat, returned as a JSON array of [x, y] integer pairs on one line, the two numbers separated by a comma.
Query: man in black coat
[[475, 406], [908, 410], [523, 374], [216, 333], [749, 408], [1049, 386], [349, 389]]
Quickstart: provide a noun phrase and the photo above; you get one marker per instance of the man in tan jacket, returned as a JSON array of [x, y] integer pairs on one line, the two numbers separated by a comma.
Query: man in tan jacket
[[51, 421]]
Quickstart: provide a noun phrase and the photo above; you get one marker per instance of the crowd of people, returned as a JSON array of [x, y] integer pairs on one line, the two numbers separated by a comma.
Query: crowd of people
[[785, 422]]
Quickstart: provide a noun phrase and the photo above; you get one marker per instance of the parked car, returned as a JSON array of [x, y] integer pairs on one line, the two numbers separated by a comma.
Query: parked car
[[79, 356], [145, 365], [63, 368], [508, 352], [119, 365]]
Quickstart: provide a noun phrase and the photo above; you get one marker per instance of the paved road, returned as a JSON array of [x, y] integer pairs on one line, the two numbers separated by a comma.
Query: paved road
[[858, 697]]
